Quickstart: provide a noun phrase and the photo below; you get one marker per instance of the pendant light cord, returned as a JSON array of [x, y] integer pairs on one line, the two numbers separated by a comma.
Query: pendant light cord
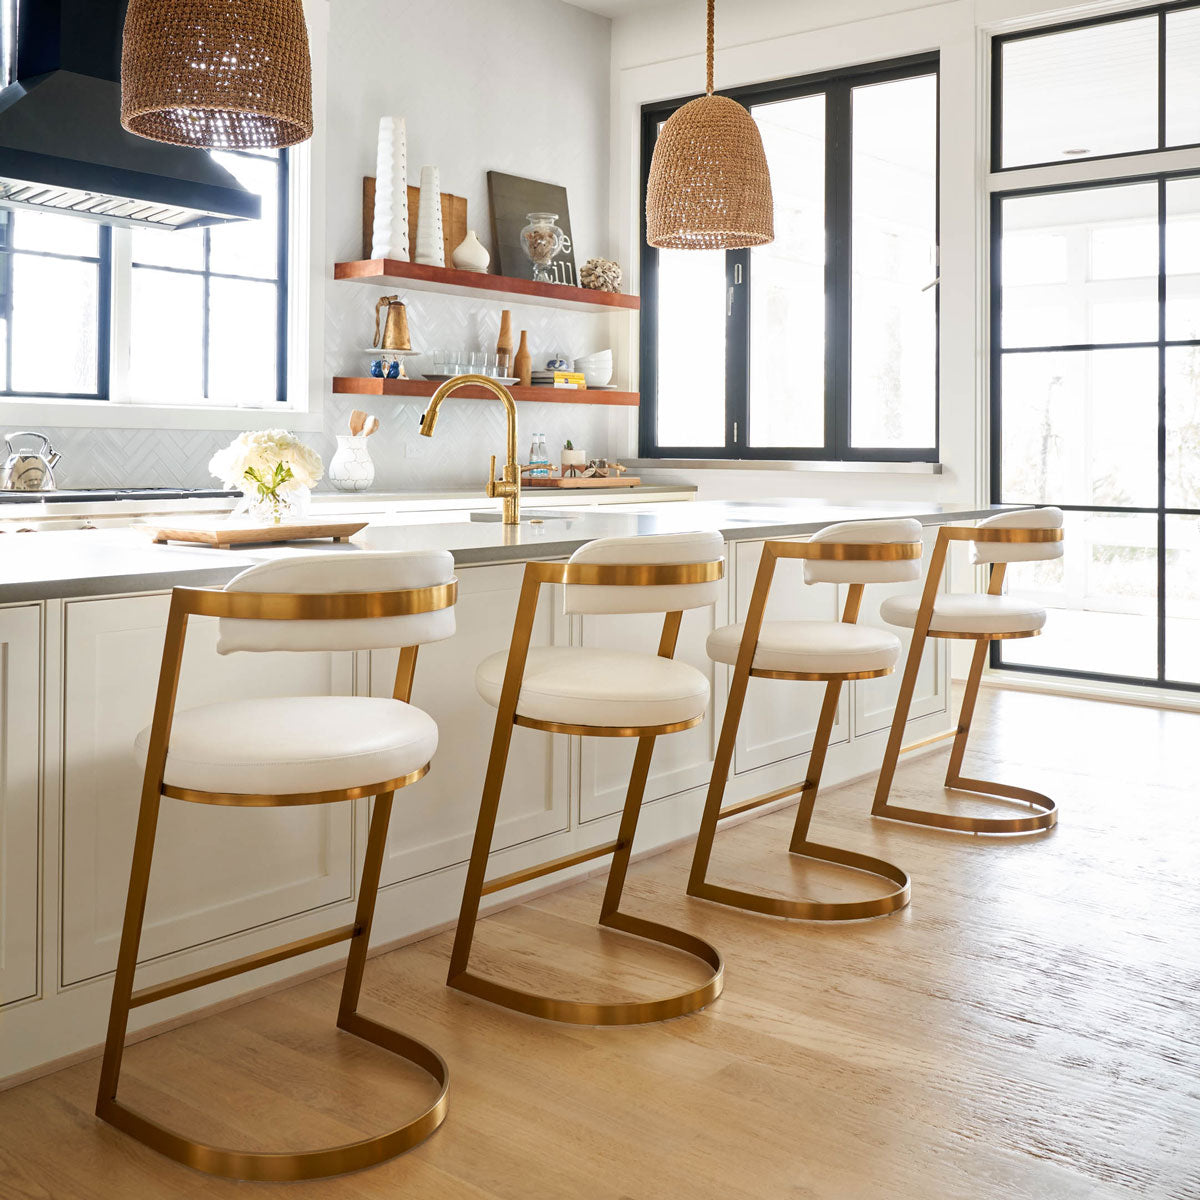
[[712, 4]]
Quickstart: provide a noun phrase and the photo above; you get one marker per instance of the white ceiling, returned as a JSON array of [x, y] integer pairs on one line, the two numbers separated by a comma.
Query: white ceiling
[[617, 8]]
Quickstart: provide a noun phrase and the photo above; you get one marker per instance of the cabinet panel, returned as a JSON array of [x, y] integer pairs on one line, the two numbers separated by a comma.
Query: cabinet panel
[[875, 699], [433, 822], [780, 715], [20, 708], [217, 871], [681, 760]]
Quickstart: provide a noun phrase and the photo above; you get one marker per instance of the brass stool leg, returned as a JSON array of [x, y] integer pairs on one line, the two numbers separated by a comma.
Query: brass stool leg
[[775, 906], [1046, 814], [255, 1165], [534, 1004]]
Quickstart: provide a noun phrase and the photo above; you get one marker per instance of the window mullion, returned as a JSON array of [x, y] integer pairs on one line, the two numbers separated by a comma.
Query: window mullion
[[120, 307], [837, 270], [737, 350]]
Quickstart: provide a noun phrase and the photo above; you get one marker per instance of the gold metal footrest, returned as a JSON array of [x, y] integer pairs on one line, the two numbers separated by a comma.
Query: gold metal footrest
[[1045, 818], [816, 910], [305, 1164], [629, 1012]]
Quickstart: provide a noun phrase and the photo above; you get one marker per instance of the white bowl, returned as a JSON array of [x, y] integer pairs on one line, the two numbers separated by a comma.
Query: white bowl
[[596, 375], [600, 358]]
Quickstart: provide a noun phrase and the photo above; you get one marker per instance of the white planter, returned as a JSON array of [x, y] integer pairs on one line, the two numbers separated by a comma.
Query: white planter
[[389, 236], [351, 468], [430, 251]]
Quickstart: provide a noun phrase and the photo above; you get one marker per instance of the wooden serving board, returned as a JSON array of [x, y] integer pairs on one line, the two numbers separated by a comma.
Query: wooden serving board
[[454, 219], [226, 536], [555, 481]]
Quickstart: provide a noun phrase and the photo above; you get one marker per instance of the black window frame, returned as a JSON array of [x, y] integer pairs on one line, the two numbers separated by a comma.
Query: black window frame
[[837, 86], [1161, 510], [104, 303], [999, 41]]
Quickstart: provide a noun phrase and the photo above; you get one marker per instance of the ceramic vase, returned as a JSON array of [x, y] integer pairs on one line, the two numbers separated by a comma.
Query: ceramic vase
[[504, 344], [471, 255], [351, 468], [430, 251], [389, 237]]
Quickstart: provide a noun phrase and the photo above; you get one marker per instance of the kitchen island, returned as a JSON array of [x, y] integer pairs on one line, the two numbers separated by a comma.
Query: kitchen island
[[82, 615]]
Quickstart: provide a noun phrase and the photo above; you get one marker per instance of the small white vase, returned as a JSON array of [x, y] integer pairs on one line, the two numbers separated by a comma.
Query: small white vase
[[351, 468], [471, 254], [573, 458], [430, 250], [389, 235]]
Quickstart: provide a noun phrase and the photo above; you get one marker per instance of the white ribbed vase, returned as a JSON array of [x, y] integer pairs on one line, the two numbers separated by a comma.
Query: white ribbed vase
[[389, 234], [429, 220]]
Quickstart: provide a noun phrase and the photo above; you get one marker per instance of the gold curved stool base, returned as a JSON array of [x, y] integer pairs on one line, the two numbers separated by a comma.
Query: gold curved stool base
[[265, 1166], [816, 910], [627, 1012], [1045, 818]]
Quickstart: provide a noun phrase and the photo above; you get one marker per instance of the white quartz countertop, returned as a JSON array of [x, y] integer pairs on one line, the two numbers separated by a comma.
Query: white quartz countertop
[[111, 561]]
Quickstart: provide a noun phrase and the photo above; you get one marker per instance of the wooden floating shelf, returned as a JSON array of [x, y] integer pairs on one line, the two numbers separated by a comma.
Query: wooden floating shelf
[[366, 385], [394, 272]]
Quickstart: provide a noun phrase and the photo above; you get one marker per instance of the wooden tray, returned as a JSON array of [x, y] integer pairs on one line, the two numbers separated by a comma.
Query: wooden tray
[[593, 481], [224, 536]]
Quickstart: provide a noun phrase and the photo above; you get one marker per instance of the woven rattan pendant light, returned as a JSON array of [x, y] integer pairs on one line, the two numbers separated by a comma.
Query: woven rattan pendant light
[[218, 73], [709, 186]]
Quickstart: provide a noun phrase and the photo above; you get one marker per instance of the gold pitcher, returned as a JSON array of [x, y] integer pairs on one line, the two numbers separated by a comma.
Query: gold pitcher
[[395, 325]]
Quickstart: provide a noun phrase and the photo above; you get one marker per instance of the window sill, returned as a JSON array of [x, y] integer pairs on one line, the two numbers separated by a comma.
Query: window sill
[[105, 414], [777, 464]]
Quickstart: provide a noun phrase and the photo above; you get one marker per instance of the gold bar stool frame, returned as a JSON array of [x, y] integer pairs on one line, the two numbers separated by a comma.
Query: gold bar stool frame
[[1030, 535], [853, 553], [242, 611], [615, 585]]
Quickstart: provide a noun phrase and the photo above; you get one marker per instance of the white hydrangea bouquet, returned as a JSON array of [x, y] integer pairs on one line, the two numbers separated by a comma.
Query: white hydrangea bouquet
[[273, 469]]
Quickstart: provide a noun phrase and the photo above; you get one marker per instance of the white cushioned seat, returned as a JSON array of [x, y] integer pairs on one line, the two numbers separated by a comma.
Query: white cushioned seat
[[293, 744], [579, 686], [967, 614], [810, 647]]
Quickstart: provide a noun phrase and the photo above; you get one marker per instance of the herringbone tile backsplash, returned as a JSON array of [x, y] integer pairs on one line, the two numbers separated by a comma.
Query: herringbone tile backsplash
[[468, 430]]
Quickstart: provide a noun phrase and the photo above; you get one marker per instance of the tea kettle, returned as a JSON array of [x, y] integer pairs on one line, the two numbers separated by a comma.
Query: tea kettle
[[28, 470]]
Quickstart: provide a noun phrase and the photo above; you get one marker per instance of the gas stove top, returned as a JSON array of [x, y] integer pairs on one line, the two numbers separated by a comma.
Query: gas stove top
[[92, 495]]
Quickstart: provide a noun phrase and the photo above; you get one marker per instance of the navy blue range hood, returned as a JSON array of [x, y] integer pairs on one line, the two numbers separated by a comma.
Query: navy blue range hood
[[62, 146]]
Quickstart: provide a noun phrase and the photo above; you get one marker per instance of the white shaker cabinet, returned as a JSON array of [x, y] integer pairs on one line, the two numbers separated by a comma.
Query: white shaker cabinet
[[217, 871], [20, 714]]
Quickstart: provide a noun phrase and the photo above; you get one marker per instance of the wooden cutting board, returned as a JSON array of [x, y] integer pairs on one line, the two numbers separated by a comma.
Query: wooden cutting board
[[225, 535], [454, 220], [592, 481]]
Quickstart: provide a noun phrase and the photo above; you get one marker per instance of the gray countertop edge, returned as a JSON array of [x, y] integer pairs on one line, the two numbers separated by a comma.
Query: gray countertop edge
[[217, 574]]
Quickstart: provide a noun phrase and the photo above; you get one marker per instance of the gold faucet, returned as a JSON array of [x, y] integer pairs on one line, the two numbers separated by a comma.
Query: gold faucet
[[509, 486]]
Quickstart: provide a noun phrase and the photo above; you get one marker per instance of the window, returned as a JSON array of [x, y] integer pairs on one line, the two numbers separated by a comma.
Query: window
[[823, 344], [1096, 349]]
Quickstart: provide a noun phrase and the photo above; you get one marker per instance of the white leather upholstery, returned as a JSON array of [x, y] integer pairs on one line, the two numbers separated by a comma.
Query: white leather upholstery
[[580, 686], [294, 744], [834, 571], [1033, 518], [967, 614], [347, 571], [811, 647], [667, 548]]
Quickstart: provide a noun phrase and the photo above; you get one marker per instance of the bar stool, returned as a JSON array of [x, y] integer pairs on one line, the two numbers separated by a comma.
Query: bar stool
[[854, 553], [1033, 535], [596, 693], [288, 751]]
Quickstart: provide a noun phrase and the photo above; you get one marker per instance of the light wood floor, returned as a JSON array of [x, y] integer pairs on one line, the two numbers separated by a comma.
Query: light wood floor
[[1028, 1028]]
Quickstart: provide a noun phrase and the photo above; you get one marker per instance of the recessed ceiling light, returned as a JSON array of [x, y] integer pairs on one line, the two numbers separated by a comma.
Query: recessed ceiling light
[[1075, 152]]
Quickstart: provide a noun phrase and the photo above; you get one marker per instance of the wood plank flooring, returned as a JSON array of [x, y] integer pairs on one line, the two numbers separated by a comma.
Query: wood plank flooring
[[1029, 1029]]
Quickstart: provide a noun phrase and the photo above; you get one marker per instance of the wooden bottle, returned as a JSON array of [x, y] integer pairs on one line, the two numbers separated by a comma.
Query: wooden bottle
[[504, 344], [523, 364]]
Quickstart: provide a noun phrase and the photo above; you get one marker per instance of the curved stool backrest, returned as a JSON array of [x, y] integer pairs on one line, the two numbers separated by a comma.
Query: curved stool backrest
[[345, 574], [875, 570], [1015, 551], [671, 549]]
